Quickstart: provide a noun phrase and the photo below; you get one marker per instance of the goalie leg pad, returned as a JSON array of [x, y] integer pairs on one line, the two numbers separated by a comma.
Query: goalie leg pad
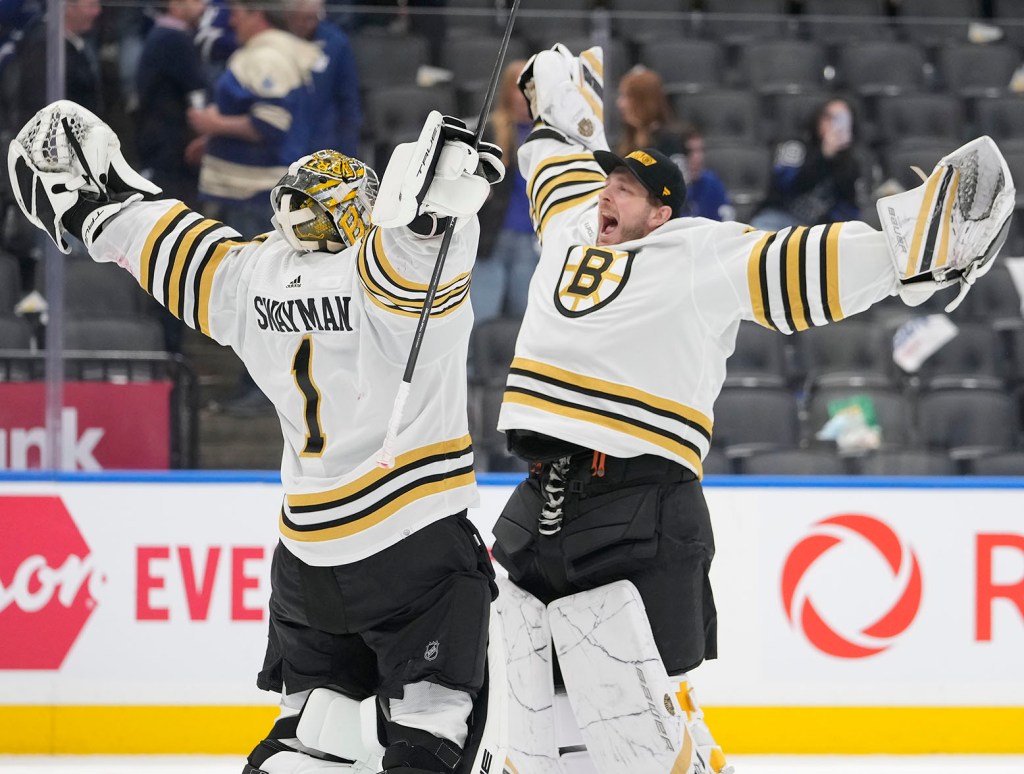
[[623, 700], [524, 624]]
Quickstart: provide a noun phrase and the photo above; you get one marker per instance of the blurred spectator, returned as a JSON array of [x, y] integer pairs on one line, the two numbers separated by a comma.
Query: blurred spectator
[[816, 180], [706, 196], [338, 117], [215, 39], [170, 80], [261, 116], [81, 63], [508, 248], [26, 73], [646, 116]]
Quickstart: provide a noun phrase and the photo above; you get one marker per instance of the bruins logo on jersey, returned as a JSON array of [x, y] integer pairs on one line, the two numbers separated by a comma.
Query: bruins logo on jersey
[[591, 277]]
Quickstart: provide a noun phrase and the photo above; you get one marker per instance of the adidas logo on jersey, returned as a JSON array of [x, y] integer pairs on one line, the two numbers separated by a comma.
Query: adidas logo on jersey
[[295, 283]]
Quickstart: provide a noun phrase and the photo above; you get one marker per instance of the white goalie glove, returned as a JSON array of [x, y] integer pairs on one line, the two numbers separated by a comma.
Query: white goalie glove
[[439, 176], [567, 93], [68, 173], [949, 229]]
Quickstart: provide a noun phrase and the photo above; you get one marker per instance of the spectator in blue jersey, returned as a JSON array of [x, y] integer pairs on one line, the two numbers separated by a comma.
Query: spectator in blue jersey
[[706, 196], [215, 39], [507, 254], [261, 116], [170, 80], [338, 116], [818, 179]]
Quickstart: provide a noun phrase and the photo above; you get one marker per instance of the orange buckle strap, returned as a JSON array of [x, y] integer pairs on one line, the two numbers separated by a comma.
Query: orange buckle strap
[[597, 465]]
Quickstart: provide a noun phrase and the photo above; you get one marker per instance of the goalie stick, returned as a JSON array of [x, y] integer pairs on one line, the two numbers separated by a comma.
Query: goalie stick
[[386, 459]]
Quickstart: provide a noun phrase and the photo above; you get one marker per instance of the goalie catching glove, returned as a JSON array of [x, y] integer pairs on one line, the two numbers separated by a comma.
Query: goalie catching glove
[[439, 176], [949, 229], [567, 93], [68, 173]]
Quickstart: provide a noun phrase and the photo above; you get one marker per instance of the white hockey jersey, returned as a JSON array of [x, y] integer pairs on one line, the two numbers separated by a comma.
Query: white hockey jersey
[[623, 348], [326, 337]]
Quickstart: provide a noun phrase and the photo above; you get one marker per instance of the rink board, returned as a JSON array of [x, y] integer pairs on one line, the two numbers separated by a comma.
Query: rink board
[[855, 615]]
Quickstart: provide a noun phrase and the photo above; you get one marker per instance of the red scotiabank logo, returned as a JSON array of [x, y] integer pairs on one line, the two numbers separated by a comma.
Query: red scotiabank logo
[[48, 583], [796, 596]]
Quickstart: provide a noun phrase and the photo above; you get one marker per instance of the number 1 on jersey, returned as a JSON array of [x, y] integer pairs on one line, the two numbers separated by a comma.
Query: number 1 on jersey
[[302, 370]]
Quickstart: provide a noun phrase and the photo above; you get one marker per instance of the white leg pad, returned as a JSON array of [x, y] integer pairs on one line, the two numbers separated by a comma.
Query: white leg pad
[[333, 723], [524, 622], [622, 697]]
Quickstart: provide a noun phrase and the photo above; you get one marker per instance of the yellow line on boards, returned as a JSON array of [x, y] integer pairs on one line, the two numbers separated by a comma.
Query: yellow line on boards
[[77, 730], [235, 730], [867, 730]]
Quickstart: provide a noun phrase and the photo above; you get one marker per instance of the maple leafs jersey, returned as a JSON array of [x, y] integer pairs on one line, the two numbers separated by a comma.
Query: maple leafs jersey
[[326, 337], [623, 347]]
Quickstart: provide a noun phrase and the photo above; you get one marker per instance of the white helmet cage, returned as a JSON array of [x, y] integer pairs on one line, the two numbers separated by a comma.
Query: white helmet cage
[[324, 202]]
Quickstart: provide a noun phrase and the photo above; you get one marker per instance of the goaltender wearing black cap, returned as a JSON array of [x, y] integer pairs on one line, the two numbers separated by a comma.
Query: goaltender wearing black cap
[[645, 189]]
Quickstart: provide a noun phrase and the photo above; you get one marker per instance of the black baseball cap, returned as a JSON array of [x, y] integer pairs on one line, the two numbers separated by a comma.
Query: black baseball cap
[[656, 171]]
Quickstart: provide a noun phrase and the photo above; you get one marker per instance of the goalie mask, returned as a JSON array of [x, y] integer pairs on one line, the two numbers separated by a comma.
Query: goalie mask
[[324, 202]]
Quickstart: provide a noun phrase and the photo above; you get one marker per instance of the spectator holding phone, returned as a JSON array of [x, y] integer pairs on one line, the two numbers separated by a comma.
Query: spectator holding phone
[[816, 180]]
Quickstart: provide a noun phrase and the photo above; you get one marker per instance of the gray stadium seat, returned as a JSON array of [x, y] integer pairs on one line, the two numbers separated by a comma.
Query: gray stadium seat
[[745, 169], [684, 65], [1006, 464], [473, 17], [970, 70], [463, 55], [908, 462], [793, 462], [790, 116], [1014, 155], [994, 299], [900, 157], [121, 335], [854, 346], [854, 20], [738, 22], [912, 116], [722, 114], [1015, 338], [492, 347], [932, 22], [14, 333], [783, 66], [388, 59], [966, 420], [544, 24], [1000, 117], [760, 354], [100, 290], [877, 67], [893, 411], [395, 114], [10, 284], [642, 20], [748, 418], [1009, 15], [973, 355], [716, 463]]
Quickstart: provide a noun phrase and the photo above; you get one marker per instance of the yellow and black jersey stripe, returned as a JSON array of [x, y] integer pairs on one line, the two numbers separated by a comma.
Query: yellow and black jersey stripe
[[389, 290], [179, 259], [678, 429], [371, 498], [793, 278], [560, 183]]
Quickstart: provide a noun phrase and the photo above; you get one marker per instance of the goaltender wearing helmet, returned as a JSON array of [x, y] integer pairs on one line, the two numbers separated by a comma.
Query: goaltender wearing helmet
[[631, 317], [380, 587]]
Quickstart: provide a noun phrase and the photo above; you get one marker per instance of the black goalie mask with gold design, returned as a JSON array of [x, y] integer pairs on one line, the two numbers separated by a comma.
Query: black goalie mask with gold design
[[324, 202]]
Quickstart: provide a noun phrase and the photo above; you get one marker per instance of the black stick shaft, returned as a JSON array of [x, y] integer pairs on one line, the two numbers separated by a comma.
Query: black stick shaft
[[446, 239]]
